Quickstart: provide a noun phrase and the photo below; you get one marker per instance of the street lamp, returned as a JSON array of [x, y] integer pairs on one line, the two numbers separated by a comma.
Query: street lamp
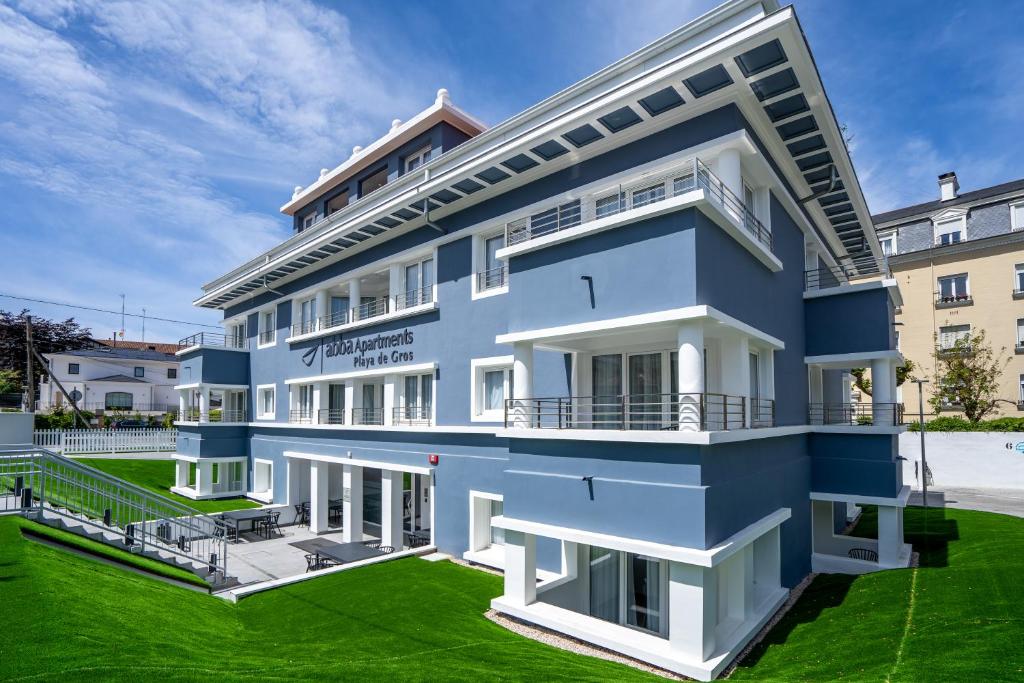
[[924, 462]]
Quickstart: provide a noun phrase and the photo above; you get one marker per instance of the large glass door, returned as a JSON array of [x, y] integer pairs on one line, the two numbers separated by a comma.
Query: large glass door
[[604, 584], [606, 407], [643, 592], [645, 399]]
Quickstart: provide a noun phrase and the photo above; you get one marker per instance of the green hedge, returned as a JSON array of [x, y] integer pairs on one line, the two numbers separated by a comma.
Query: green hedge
[[959, 424]]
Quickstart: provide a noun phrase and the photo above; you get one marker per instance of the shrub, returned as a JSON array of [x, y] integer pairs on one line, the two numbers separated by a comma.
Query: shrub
[[1004, 424], [959, 424]]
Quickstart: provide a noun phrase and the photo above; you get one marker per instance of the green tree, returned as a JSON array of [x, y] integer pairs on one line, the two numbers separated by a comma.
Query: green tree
[[10, 382], [49, 336], [967, 377], [903, 373]]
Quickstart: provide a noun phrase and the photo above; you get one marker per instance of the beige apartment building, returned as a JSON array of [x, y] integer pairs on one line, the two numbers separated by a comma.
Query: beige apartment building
[[959, 262]]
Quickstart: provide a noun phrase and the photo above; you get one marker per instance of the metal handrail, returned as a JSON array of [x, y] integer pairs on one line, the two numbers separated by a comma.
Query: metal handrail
[[691, 175], [368, 416], [301, 416], [412, 415], [850, 270], [674, 411], [413, 297], [331, 416], [221, 415], [370, 309], [492, 278], [41, 482], [855, 414], [267, 336], [228, 341]]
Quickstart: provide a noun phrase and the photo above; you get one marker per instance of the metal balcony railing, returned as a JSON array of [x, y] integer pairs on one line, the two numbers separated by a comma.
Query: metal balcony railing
[[762, 412], [855, 414], [492, 278], [213, 415], [268, 336], [690, 175], [143, 407], [301, 416], [850, 270], [412, 415], [367, 310], [370, 309], [228, 341], [331, 416], [414, 297], [367, 416], [687, 411], [952, 300]]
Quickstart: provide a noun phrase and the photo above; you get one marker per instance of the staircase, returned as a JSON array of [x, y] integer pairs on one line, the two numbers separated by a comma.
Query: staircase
[[65, 494]]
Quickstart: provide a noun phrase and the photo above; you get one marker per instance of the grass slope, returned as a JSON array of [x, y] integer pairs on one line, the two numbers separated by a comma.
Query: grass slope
[[158, 476], [955, 618]]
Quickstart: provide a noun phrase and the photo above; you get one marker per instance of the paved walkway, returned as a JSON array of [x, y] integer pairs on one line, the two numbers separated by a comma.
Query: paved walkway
[[1003, 501]]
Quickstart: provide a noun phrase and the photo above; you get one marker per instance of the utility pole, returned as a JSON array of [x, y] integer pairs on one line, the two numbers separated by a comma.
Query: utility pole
[[924, 462], [143, 324], [30, 389]]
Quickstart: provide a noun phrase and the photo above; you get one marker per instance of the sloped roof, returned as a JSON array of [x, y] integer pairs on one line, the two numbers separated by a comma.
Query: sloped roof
[[928, 208], [118, 378], [160, 347]]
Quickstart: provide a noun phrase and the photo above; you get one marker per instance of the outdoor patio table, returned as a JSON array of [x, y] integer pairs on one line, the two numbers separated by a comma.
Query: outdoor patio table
[[347, 552], [236, 517]]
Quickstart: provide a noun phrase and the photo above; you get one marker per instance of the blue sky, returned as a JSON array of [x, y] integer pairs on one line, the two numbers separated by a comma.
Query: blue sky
[[145, 147]]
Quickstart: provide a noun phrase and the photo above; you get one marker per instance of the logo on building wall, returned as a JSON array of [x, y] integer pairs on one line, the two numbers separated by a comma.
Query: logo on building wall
[[371, 352], [309, 356]]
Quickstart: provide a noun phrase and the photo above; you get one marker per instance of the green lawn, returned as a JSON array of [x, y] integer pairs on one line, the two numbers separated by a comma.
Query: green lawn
[[158, 476], [71, 618]]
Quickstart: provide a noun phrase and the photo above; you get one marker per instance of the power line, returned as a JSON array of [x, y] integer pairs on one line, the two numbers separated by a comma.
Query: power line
[[103, 310]]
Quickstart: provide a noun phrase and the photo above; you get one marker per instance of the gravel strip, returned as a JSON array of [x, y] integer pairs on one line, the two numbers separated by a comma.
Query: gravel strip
[[564, 642]]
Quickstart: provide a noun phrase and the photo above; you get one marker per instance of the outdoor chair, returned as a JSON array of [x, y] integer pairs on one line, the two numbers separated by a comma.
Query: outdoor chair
[[300, 514], [314, 562], [863, 554], [371, 544], [418, 540], [386, 549], [271, 522]]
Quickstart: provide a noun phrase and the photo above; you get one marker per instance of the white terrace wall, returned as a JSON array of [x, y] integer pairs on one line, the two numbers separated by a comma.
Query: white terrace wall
[[989, 460]]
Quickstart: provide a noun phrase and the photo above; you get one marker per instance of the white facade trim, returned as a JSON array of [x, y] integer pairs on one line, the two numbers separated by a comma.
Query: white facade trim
[[643, 436], [696, 556], [626, 322], [900, 500], [360, 374], [394, 467], [258, 402], [843, 360], [203, 347], [477, 367], [366, 322]]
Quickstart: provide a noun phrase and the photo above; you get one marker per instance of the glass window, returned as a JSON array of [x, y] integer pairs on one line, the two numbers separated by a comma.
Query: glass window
[[309, 221], [140, 371], [337, 203], [949, 334], [377, 179], [491, 247], [949, 232], [172, 373], [494, 390], [1020, 331], [307, 315], [1021, 389], [497, 533], [305, 402], [645, 399], [236, 335], [1018, 276], [74, 368], [643, 592], [1017, 216], [604, 584], [888, 244], [418, 158], [267, 396], [607, 389], [648, 195], [608, 206], [953, 287], [117, 400]]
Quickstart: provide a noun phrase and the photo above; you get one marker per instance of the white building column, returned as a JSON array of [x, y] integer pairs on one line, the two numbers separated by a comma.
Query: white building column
[[204, 404], [183, 404], [354, 296], [522, 379], [391, 482], [692, 609], [390, 400], [395, 285], [204, 478], [353, 503], [520, 567], [181, 468], [883, 389], [318, 477], [731, 174], [690, 339], [890, 535], [322, 307]]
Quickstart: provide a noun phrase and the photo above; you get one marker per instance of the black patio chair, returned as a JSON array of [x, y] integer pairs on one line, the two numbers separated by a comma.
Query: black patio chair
[[371, 544], [301, 513], [863, 554], [385, 549], [418, 540], [270, 522]]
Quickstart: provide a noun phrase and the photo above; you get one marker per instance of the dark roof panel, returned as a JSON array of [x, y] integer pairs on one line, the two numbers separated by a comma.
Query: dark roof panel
[[966, 198], [761, 58], [774, 85], [661, 101], [708, 81]]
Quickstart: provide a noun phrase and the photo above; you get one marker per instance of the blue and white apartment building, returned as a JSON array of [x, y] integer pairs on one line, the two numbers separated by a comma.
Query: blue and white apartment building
[[599, 346]]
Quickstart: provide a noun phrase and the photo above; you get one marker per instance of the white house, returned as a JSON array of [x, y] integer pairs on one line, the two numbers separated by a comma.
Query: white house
[[133, 377]]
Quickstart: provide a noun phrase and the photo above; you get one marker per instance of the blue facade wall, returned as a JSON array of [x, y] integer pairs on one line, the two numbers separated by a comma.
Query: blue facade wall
[[214, 366], [854, 322], [213, 441], [855, 464]]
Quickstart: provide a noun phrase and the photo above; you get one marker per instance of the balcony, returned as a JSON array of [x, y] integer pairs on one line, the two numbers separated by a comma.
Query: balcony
[[267, 337], [413, 416], [493, 278], [855, 414], [368, 416], [953, 300], [215, 415], [368, 310], [691, 175], [331, 416], [300, 416], [214, 339], [659, 412], [850, 271]]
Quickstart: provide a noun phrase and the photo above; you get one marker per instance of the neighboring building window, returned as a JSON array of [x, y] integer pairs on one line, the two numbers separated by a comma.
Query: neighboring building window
[[74, 368], [268, 327], [1017, 216], [1021, 394], [140, 371], [1020, 332], [117, 400], [373, 181], [337, 203], [888, 244], [172, 373], [950, 231], [266, 403], [949, 334], [492, 386], [953, 288], [1018, 277], [414, 161]]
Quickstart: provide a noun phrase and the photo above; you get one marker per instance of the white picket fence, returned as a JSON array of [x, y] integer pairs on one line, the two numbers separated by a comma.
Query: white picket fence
[[136, 440]]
